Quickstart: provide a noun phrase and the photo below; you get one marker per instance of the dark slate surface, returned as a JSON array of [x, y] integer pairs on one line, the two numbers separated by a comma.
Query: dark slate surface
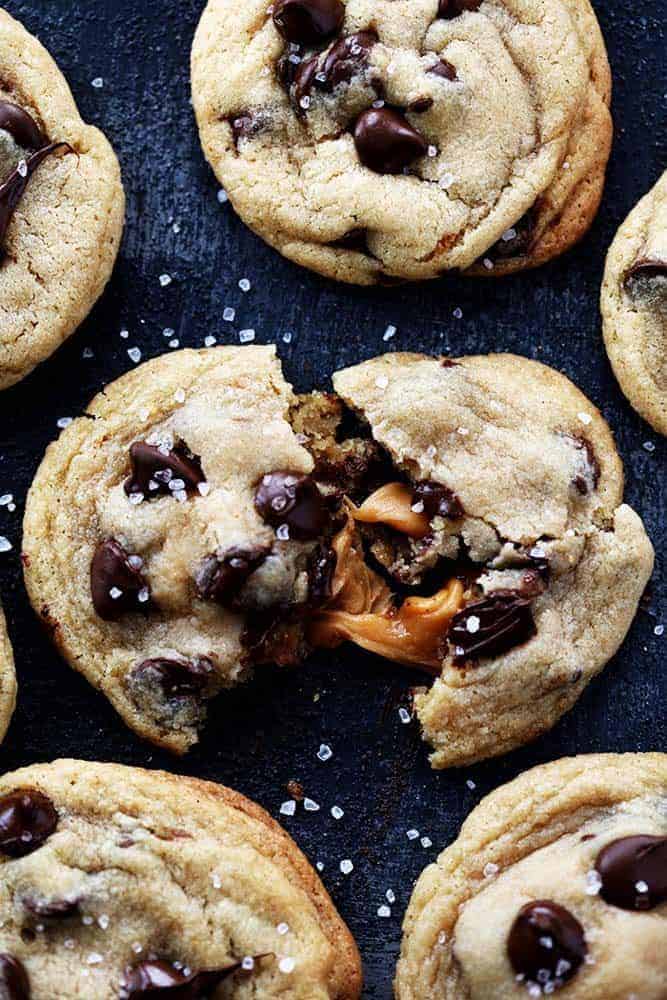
[[268, 733]]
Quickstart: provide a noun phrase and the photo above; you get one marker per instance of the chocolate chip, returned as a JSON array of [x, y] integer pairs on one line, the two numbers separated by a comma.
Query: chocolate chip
[[14, 982], [491, 627], [438, 500], [449, 9], [582, 483], [321, 569], [14, 187], [50, 909], [155, 976], [386, 141], [245, 124], [546, 944], [155, 473], [516, 241], [21, 126], [444, 69], [116, 585], [221, 577], [27, 820], [308, 22], [176, 678], [646, 268], [291, 499], [634, 872], [343, 61], [421, 105]]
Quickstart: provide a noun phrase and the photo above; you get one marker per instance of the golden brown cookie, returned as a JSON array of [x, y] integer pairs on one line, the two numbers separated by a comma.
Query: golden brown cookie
[[555, 886], [383, 140], [7, 678], [61, 206]]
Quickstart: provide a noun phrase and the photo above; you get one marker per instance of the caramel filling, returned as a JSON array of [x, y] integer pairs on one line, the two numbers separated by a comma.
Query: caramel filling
[[362, 609], [393, 505]]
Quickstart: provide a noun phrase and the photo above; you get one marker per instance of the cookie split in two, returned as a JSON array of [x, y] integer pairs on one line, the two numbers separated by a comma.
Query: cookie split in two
[[462, 518], [398, 141]]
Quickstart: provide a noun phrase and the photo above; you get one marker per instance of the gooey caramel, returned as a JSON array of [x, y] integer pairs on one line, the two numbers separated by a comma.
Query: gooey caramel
[[393, 505], [362, 609]]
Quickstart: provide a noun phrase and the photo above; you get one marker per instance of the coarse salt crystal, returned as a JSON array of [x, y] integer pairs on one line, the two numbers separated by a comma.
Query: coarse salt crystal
[[223, 197], [288, 808], [209, 341], [134, 354], [412, 834], [216, 881], [404, 716], [310, 805], [246, 336], [95, 958], [471, 784], [97, 83], [390, 895], [286, 965], [325, 752], [389, 332], [229, 314], [248, 963], [490, 869], [337, 812], [64, 422], [244, 285], [179, 395], [593, 883], [458, 313], [473, 624], [585, 418], [346, 866], [426, 842], [384, 911], [659, 630], [382, 382], [282, 929]]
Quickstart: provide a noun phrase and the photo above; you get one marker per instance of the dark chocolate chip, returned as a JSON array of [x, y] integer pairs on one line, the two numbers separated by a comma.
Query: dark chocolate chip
[[321, 569], [14, 982], [444, 69], [449, 9], [222, 577], [546, 944], [291, 499], [27, 820], [176, 678], [115, 584], [50, 909], [244, 124], [14, 187], [386, 142], [308, 22], [634, 872], [646, 268], [345, 58], [421, 105], [21, 126], [518, 244], [303, 77], [154, 472], [438, 500], [580, 482], [504, 621], [155, 976]]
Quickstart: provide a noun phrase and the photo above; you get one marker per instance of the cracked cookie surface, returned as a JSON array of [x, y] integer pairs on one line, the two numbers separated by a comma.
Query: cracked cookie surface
[[398, 140], [61, 215], [634, 306], [464, 517], [119, 883], [7, 678], [555, 886]]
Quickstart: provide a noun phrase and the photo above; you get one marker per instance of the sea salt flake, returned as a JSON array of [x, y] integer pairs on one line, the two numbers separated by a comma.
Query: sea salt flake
[[648, 446], [103, 921], [659, 630], [585, 418], [124, 334], [412, 834], [246, 336], [248, 963], [134, 354], [282, 929], [282, 533], [168, 331], [346, 866], [641, 887], [325, 752], [179, 395], [165, 279], [337, 812], [288, 808], [384, 911], [382, 381], [432, 151], [216, 881], [389, 332], [204, 489], [473, 623], [287, 337], [64, 422], [404, 716], [491, 869], [95, 958], [426, 842], [509, 234], [244, 285], [390, 896], [223, 197], [115, 593], [229, 314], [593, 883], [6, 499], [287, 965], [471, 784], [174, 343], [97, 83], [310, 805], [488, 264]]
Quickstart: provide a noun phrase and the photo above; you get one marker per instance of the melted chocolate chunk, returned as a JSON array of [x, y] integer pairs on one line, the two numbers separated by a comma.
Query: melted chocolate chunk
[[154, 976], [438, 500], [308, 22], [14, 982], [647, 269], [443, 69], [176, 678], [491, 627], [449, 9], [245, 124], [115, 584], [14, 187], [321, 571], [345, 59], [50, 909], [291, 499], [27, 820], [21, 126], [546, 944], [156, 474], [386, 142], [222, 577], [516, 242], [634, 872], [580, 482]]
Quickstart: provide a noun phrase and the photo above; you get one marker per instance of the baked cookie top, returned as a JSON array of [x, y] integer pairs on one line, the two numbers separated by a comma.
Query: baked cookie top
[[634, 306], [119, 883], [61, 206], [464, 517], [556, 882], [7, 678], [404, 138]]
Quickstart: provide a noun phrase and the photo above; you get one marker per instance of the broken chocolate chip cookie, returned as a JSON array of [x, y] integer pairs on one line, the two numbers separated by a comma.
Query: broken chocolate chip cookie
[[464, 519], [123, 884]]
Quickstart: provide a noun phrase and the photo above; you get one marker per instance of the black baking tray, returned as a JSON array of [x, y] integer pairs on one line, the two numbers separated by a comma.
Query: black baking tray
[[268, 733]]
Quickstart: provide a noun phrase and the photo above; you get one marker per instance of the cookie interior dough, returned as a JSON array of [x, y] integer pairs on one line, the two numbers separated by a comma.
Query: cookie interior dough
[[556, 885], [119, 884], [634, 306], [61, 206], [463, 517], [399, 139], [7, 678]]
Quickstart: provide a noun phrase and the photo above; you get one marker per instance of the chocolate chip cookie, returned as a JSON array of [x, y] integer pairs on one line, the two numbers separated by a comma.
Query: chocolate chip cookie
[[557, 883], [7, 678], [463, 517], [398, 140], [119, 884], [61, 206], [634, 306]]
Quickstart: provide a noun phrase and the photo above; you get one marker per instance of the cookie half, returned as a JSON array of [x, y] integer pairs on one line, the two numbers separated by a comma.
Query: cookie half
[[379, 141], [61, 206], [462, 517], [634, 306], [119, 883], [7, 678], [556, 883]]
